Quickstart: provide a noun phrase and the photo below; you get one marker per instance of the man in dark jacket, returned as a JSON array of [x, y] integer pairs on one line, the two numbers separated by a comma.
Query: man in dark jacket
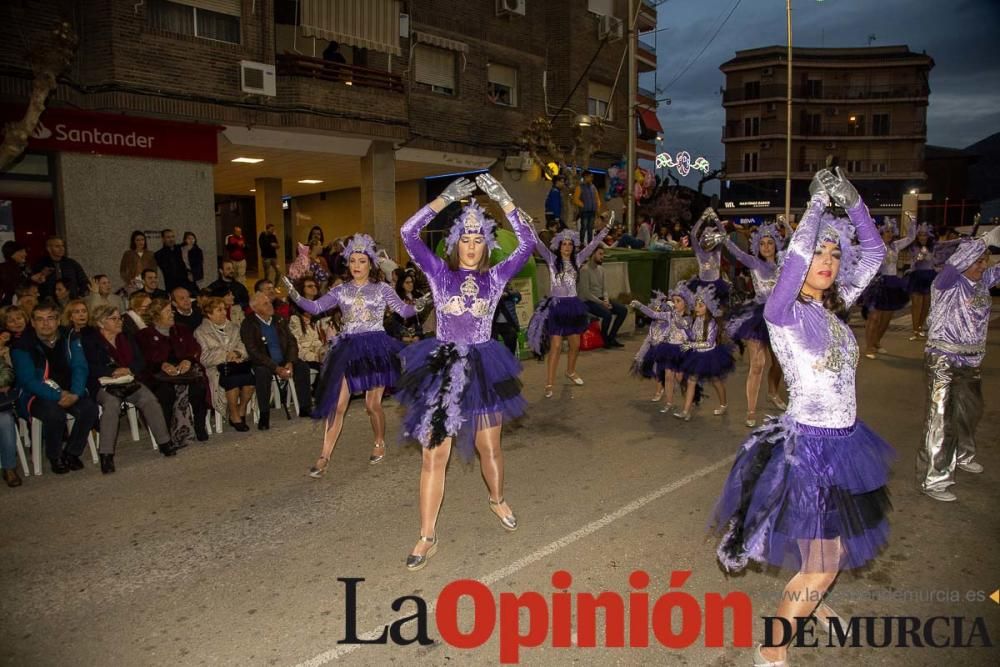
[[51, 372], [57, 266], [171, 262], [273, 354], [505, 322], [227, 283]]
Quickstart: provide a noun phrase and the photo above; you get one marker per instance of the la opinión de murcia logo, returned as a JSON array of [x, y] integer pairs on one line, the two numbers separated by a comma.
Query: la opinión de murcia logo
[[92, 136], [676, 618]]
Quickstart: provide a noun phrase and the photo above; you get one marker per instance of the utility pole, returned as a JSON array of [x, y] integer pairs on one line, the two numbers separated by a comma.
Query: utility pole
[[788, 120], [633, 91]]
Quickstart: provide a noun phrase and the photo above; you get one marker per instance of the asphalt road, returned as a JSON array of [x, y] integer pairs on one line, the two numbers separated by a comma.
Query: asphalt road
[[228, 554]]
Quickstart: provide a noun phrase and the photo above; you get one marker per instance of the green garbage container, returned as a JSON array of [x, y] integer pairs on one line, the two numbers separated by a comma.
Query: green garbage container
[[640, 270]]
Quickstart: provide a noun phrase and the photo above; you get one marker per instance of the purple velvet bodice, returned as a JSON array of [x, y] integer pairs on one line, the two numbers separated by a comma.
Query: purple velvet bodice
[[960, 315], [563, 284], [709, 261], [362, 307], [464, 300], [890, 262], [817, 351], [667, 326], [763, 273], [700, 338]]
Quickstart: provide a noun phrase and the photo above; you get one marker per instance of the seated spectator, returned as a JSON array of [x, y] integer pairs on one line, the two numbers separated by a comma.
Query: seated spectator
[[8, 423], [26, 298], [75, 317], [227, 282], [318, 267], [234, 313], [134, 319], [111, 354], [14, 322], [15, 272], [273, 353], [51, 373], [134, 261], [186, 311], [645, 231], [594, 293], [151, 284], [309, 289], [57, 266], [407, 329], [312, 346], [100, 293], [173, 372], [281, 307], [227, 365], [61, 293]]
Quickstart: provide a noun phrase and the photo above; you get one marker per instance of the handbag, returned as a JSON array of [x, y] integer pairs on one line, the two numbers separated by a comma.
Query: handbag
[[183, 378], [233, 368], [122, 391], [591, 339]]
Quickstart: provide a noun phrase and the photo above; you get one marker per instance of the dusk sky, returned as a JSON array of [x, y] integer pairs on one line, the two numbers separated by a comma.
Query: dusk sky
[[961, 36]]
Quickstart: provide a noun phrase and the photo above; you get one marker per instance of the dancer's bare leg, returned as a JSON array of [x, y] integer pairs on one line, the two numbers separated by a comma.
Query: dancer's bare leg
[[774, 375], [555, 349], [916, 306], [432, 474], [671, 379], [574, 352], [925, 309], [689, 397], [334, 425], [758, 360], [871, 332], [491, 465], [720, 391], [373, 405]]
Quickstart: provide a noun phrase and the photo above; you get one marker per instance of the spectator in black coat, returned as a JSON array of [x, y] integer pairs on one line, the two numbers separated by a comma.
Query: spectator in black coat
[[194, 262], [227, 283], [171, 262], [57, 266]]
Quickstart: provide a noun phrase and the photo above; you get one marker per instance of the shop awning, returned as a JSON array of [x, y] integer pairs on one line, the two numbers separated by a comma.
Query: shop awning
[[366, 24], [441, 42], [649, 120]]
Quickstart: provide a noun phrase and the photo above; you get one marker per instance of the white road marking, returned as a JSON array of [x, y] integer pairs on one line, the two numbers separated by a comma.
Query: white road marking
[[548, 550]]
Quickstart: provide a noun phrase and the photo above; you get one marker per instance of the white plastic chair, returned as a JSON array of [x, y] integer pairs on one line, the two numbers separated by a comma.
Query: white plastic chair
[[292, 400], [36, 441]]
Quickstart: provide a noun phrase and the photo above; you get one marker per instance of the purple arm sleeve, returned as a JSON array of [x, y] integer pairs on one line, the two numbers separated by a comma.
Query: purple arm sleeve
[[432, 265], [946, 278], [509, 267], [594, 244], [872, 253], [778, 309], [699, 252], [743, 258], [991, 276], [328, 301], [395, 303], [661, 315], [543, 251], [908, 239]]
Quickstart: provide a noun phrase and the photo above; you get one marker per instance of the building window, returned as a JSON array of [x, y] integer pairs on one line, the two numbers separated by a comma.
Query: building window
[[751, 90], [880, 124], [853, 166], [814, 88], [751, 126], [812, 123], [880, 168], [502, 85], [435, 68], [599, 100], [811, 167], [217, 20], [750, 161], [855, 125]]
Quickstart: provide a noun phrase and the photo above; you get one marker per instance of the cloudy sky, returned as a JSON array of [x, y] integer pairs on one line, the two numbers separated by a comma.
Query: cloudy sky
[[963, 37]]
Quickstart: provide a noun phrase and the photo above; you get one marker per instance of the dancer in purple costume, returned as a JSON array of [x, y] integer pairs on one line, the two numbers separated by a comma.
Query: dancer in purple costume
[[918, 281], [807, 491], [661, 355], [460, 387], [707, 248], [562, 314], [363, 357], [746, 324], [707, 359], [887, 292]]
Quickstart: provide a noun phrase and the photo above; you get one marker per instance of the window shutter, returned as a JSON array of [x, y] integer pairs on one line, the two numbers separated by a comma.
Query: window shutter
[[434, 66], [503, 75], [230, 7]]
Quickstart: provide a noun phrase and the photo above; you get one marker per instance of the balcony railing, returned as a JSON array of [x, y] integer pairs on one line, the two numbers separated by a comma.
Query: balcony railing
[[293, 64], [770, 129], [859, 168], [807, 92]]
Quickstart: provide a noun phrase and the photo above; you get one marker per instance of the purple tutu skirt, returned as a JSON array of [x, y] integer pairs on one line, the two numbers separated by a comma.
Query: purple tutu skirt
[[887, 293], [919, 282], [721, 288], [452, 391], [365, 360], [654, 360], [556, 316], [747, 323], [714, 364], [806, 498]]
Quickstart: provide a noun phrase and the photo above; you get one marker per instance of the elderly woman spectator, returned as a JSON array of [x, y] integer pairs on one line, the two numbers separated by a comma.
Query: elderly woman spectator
[[173, 371], [308, 336], [75, 317], [14, 322], [111, 354], [227, 365], [134, 319]]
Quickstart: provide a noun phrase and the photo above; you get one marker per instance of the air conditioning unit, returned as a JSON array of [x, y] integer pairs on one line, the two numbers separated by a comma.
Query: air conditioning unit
[[772, 107], [257, 78], [527, 162], [832, 111], [610, 27], [830, 145], [765, 145], [505, 7], [767, 71]]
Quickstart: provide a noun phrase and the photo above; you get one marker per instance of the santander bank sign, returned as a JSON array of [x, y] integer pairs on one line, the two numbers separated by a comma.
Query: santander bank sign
[[67, 130]]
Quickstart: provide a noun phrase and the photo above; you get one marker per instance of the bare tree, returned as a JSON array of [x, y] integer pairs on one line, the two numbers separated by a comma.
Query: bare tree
[[48, 60], [539, 142]]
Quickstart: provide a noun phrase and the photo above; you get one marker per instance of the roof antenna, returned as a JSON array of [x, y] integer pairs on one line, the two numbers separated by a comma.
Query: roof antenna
[[871, 38]]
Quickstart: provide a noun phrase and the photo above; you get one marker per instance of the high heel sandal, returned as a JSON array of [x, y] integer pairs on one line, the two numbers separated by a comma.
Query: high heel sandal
[[508, 522], [666, 409], [751, 420], [372, 460], [415, 562], [548, 391], [658, 396], [719, 411], [823, 620], [760, 661], [777, 401], [683, 416], [575, 379], [316, 472]]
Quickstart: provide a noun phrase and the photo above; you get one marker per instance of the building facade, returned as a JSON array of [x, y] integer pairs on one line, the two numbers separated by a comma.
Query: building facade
[[864, 109], [302, 113]]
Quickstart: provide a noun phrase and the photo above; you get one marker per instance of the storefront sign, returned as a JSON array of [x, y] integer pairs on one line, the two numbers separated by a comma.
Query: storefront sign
[[118, 134]]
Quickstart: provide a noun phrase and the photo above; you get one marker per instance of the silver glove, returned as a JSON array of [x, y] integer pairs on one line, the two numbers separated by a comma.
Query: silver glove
[[421, 303], [494, 190], [634, 305], [293, 293], [711, 239], [840, 189], [815, 186], [461, 188]]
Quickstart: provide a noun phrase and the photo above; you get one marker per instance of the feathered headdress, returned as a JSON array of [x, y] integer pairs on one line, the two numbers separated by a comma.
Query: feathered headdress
[[364, 244], [472, 220], [683, 291], [565, 235], [925, 228], [842, 232], [706, 294], [889, 225], [771, 231], [660, 301]]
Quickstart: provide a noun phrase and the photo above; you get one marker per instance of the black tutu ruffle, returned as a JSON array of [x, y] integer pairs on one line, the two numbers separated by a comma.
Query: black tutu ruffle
[[888, 293], [747, 323], [919, 282]]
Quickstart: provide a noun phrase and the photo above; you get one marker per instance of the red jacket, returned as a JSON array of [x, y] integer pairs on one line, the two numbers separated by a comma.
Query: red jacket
[[156, 348]]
